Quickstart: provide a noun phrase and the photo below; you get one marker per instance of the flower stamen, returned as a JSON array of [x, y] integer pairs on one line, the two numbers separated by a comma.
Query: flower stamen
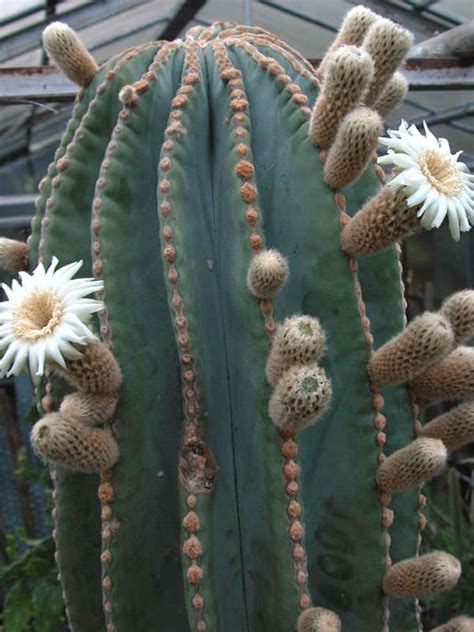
[[440, 173], [37, 316]]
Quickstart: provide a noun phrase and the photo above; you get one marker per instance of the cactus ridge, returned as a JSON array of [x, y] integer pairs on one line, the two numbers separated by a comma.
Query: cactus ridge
[[206, 143]]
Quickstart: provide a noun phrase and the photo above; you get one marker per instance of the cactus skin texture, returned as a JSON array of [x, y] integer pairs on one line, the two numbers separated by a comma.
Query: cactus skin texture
[[182, 165]]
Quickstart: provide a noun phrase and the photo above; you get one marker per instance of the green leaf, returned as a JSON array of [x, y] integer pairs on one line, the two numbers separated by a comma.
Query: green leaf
[[18, 608], [37, 567], [48, 606]]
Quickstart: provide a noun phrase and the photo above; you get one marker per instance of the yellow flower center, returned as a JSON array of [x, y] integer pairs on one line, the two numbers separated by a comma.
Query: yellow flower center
[[38, 316], [440, 173]]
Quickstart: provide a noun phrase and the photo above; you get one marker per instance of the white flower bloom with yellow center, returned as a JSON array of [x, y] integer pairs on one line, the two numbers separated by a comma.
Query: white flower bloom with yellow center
[[44, 316], [432, 178]]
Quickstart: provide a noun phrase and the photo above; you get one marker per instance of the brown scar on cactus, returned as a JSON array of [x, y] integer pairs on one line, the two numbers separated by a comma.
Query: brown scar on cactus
[[412, 465], [451, 378], [267, 274], [424, 575], [68, 53], [318, 620], [455, 428], [13, 255], [427, 339]]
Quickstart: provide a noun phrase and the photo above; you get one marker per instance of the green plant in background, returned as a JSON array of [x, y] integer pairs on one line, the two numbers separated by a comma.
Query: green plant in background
[[197, 173]]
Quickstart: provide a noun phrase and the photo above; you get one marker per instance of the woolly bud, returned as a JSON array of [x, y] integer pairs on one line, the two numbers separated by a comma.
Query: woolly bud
[[392, 95], [96, 371], [382, 221], [424, 575], [318, 620], [356, 138], [348, 74], [268, 272], [412, 465], [352, 31], [13, 255], [73, 444], [300, 397], [128, 96], [89, 408], [459, 624], [459, 310], [298, 340], [455, 428], [68, 52], [427, 339], [450, 379], [388, 44]]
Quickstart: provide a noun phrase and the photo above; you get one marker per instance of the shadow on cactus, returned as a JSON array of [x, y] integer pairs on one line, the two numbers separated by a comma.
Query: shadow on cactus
[[227, 195]]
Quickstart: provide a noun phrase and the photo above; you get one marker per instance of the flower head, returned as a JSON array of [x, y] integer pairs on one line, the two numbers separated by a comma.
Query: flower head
[[44, 316], [432, 178]]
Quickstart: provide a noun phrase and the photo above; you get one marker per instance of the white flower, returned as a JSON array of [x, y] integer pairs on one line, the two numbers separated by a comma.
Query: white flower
[[432, 178], [44, 316]]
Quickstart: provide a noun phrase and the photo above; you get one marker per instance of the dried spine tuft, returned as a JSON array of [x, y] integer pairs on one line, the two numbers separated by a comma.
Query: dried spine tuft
[[13, 255], [348, 74], [382, 221], [301, 396], [455, 428], [427, 338], [388, 44], [393, 94], [412, 465], [318, 620], [450, 379], [356, 139], [69, 53], [459, 310], [424, 575], [298, 340], [267, 274]]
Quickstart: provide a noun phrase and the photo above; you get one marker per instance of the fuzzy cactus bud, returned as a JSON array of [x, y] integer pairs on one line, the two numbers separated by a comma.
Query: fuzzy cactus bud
[[73, 444], [392, 95], [352, 31], [388, 45], [348, 74], [455, 428], [459, 310], [298, 340], [458, 624], [96, 371], [69, 53], [424, 575], [301, 396], [318, 620], [267, 274], [382, 221], [356, 139], [13, 255], [412, 465], [89, 408], [427, 339], [450, 379]]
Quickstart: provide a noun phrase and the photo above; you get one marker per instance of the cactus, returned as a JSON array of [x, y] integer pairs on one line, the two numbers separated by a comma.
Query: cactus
[[191, 173]]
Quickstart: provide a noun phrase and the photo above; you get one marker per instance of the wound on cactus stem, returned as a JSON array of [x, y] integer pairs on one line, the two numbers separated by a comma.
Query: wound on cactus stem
[[298, 340], [458, 624], [356, 139], [384, 220], [267, 274], [13, 255], [393, 94], [347, 76], [301, 396], [318, 620], [449, 379], [412, 465], [455, 428], [424, 575], [458, 309], [73, 444], [426, 340], [69, 53]]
